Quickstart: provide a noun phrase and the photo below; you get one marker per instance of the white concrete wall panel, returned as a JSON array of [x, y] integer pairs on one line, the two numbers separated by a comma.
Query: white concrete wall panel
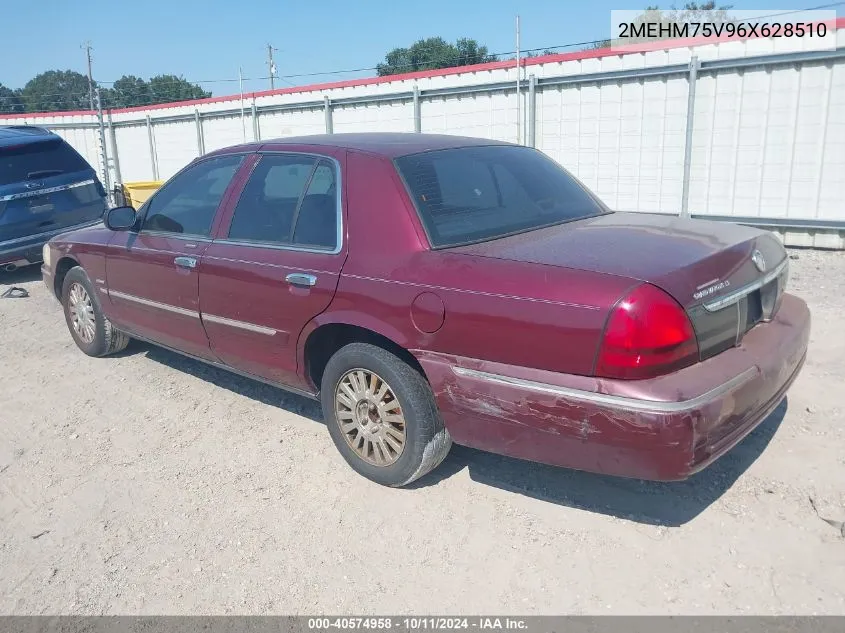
[[176, 146], [224, 131], [292, 123], [133, 151], [392, 116]]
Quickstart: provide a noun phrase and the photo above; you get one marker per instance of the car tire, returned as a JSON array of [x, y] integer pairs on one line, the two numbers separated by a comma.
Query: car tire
[[92, 332], [363, 422]]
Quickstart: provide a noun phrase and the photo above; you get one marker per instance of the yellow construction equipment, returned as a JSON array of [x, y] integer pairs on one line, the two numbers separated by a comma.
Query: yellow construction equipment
[[136, 193]]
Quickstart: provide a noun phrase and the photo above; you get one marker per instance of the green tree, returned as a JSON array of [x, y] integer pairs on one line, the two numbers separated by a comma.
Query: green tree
[[530, 54], [167, 88], [432, 53], [130, 91], [56, 90], [10, 101], [691, 12], [694, 12], [126, 92]]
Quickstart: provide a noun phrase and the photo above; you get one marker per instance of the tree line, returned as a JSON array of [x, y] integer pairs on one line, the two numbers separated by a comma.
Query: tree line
[[434, 52], [58, 90], [63, 90]]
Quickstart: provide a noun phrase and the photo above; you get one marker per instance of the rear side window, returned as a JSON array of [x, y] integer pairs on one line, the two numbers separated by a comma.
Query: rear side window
[[188, 203], [289, 200], [475, 194], [39, 160]]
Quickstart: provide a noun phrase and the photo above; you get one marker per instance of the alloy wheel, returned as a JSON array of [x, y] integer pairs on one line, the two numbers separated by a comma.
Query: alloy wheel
[[81, 313], [370, 417]]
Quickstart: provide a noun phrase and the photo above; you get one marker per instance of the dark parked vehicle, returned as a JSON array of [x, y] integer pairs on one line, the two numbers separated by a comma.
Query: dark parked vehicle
[[46, 188], [431, 289]]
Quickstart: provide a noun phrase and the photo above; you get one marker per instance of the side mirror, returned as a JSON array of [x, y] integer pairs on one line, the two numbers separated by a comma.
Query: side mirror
[[120, 218]]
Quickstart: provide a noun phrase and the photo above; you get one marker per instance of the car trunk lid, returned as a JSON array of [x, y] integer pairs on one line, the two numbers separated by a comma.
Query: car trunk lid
[[708, 267]]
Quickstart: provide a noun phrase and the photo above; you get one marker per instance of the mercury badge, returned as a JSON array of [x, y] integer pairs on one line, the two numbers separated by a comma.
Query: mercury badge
[[759, 261]]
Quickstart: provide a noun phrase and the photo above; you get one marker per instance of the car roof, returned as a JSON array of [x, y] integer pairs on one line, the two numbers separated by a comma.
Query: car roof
[[388, 144], [23, 134]]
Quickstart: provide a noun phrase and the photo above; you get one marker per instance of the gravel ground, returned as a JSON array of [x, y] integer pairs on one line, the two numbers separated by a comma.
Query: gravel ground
[[150, 484]]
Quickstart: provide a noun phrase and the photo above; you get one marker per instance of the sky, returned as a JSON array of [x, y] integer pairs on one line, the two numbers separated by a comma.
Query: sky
[[207, 41]]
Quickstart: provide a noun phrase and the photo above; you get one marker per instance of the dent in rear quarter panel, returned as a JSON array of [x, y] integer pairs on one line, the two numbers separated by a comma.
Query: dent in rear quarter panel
[[510, 421]]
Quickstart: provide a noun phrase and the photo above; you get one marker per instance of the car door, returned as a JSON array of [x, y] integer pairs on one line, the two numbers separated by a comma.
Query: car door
[[275, 264], [152, 273]]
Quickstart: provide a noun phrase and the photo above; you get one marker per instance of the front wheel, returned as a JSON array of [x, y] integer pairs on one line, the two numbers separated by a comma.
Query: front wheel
[[382, 416], [92, 332]]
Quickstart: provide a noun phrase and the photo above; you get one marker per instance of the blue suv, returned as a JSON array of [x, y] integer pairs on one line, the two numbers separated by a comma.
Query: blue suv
[[46, 188]]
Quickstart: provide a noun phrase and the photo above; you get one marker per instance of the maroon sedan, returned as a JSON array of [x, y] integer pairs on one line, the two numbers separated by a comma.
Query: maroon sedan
[[431, 289]]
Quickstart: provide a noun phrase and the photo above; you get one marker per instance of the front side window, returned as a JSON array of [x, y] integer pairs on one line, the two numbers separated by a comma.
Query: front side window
[[187, 204], [475, 194], [289, 199]]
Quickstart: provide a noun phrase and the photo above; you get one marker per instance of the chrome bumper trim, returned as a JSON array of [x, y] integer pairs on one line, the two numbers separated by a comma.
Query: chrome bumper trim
[[46, 190], [736, 295], [619, 402]]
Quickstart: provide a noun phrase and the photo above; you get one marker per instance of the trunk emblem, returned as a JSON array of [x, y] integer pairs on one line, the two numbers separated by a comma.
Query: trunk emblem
[[707, 289], [759, 261], [34, 185]]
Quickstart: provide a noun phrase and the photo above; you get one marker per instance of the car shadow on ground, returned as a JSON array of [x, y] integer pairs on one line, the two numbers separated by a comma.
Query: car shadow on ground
[[22, 275], [652, 503], [266, 394]]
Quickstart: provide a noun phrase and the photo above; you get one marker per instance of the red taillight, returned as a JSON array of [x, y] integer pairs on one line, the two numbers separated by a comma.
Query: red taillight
[[648, 334]]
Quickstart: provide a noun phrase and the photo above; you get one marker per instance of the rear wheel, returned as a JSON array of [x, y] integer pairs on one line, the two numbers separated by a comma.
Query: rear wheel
[[382, 416], [92, 332]]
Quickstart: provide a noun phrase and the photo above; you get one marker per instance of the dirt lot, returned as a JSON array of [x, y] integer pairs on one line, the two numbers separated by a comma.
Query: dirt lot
[[149, 484]]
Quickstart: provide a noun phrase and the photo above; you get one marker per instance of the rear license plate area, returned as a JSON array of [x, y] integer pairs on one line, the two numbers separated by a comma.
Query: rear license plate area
[[41, 204], [769, 298], [754, 309]]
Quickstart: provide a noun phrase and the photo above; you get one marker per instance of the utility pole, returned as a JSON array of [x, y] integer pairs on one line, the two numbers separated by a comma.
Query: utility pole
[[518, 88], [97, 109], [87, 48], [102, 141], [241, 84], [271, 64]]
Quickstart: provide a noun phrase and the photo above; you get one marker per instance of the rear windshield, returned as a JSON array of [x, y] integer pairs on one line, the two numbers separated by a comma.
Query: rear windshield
[[475, 194], [34, 161]]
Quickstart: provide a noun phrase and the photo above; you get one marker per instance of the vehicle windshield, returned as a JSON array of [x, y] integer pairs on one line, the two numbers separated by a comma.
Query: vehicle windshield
[[38, 160], [476, 194]]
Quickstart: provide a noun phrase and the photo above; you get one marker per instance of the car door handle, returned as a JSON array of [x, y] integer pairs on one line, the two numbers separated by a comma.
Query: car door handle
[[186, 262], [301, 279]]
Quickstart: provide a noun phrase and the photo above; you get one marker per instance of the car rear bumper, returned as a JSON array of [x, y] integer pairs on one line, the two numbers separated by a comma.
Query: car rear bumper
[[664, 428], [27, 250]]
